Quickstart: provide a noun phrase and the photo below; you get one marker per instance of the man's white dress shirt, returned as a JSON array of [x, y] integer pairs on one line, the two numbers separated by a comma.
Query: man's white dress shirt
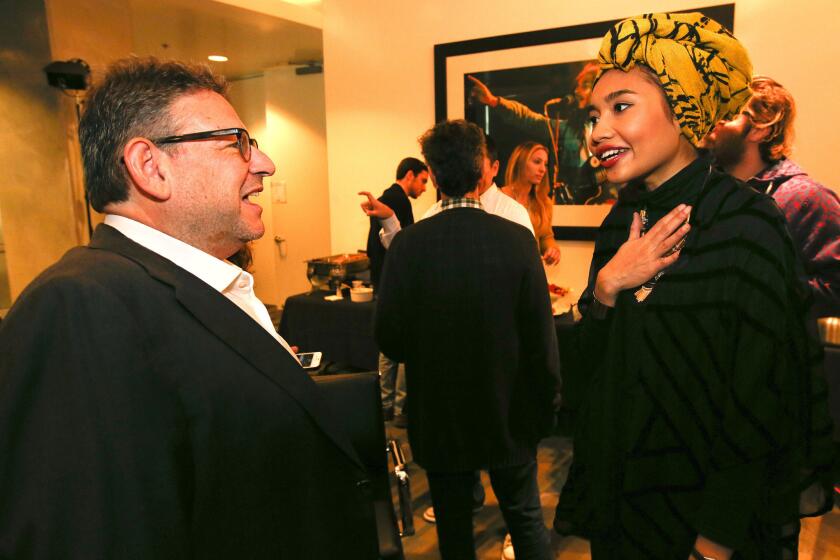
[[226, 278], [493, 200]]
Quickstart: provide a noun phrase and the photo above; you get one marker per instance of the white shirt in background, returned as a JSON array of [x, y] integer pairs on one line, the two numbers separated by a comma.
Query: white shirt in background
[[226, 278], [493, 200]]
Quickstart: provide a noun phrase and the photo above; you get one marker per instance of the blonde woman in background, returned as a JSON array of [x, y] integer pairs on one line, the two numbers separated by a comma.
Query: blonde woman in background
[[526, 181]]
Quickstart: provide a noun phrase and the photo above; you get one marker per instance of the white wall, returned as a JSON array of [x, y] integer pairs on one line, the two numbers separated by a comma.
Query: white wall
[[285, 112], [42, 215], [248, 98], [298, 146], [380, 82]]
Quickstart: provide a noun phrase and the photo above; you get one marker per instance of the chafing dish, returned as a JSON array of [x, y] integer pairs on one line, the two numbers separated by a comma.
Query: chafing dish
[[329, 273]]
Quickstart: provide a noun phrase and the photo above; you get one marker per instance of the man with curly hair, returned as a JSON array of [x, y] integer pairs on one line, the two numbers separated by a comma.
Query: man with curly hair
[[755, 147], [481, 367]]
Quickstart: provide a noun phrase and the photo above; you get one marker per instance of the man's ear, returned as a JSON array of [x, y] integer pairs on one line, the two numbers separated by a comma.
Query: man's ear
[[147, 168], [494, 168]]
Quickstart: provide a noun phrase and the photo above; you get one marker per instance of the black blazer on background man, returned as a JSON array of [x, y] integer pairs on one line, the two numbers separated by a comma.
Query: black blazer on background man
[[394, 198], [144, 415], [464, 304]]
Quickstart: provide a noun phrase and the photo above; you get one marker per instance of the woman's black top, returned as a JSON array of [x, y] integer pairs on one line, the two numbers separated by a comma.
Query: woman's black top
[[701, 409]]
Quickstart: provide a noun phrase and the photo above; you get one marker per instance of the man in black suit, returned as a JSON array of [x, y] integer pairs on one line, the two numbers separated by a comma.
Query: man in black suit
[[148, 409], [464, 303], [412, 176]]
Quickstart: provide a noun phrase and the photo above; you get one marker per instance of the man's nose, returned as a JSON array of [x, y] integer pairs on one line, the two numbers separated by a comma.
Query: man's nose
[[261, 164]]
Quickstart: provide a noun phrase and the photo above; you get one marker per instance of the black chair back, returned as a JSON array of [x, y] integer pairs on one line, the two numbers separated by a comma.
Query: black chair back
[[355, 398]]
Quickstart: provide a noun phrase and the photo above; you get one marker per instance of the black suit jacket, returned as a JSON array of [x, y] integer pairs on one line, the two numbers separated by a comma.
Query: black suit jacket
[[394, 198], [464, 303], [144, 415]]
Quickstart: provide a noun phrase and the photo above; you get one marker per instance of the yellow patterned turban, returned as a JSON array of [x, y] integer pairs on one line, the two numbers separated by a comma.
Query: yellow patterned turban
[[703, 69]]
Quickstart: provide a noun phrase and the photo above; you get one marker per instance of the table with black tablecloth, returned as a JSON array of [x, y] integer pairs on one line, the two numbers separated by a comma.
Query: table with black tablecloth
[[341, 330]]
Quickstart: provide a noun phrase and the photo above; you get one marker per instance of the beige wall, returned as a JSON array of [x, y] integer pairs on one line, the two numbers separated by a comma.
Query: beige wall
[[41, 198], [298, 145], [379, 82], [286, 111], [36, 198], [98, 32]]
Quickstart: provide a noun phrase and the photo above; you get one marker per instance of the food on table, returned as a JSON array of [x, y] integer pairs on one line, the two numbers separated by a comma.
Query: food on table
[[557, 290]]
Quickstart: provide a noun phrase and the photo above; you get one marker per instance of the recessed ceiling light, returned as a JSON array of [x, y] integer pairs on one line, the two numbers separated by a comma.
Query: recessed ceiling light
[[217, 58]]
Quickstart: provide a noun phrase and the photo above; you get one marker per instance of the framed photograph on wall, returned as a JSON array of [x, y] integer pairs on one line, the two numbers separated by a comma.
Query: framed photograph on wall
[[542, 80]]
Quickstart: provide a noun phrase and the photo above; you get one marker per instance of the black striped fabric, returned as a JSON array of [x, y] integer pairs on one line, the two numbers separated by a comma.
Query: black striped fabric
[[699, 408]]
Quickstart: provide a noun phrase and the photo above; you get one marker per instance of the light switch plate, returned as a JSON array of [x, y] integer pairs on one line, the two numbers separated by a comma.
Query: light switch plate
[[278, 192]]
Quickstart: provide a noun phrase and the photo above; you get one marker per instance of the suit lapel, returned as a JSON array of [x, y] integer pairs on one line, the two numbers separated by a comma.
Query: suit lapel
[[234, 328]]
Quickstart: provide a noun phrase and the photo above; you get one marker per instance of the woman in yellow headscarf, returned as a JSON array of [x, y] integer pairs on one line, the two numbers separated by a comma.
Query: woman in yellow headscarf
[[698, 408]]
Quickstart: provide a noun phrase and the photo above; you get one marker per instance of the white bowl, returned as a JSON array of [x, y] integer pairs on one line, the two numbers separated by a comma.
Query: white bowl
[[361, 294]]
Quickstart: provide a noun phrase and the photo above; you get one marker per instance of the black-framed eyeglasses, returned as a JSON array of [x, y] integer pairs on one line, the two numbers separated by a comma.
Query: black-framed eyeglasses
[[243, 139]]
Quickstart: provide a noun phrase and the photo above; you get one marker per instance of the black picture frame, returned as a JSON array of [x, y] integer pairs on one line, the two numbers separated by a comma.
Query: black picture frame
[[723, 14]]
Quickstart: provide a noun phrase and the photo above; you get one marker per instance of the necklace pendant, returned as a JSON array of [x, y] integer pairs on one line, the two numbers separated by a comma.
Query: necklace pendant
[[642, 293]]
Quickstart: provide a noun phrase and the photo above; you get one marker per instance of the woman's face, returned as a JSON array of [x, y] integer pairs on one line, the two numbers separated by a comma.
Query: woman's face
[[535, 167], [634, 134]]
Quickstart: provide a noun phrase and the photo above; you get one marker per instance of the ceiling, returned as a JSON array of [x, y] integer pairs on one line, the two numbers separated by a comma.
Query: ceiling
[[193, 29]]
